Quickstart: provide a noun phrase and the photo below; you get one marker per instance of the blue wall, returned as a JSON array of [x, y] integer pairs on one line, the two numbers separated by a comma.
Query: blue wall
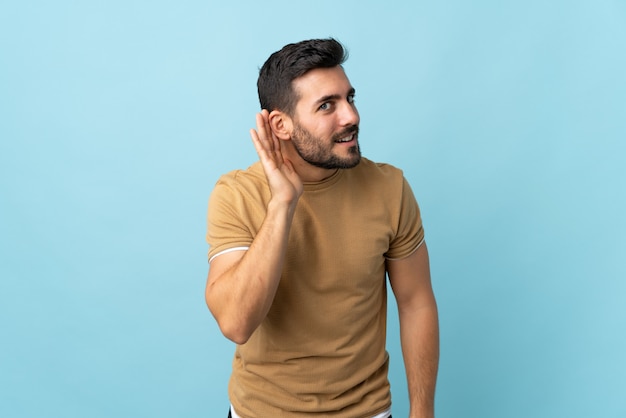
[[116, 119]]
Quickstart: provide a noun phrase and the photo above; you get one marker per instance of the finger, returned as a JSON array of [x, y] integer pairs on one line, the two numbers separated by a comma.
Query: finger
[[265, 156], [261, 133], [264, 129], [277, 148], [260, 136], [257, 142], [289, 165]]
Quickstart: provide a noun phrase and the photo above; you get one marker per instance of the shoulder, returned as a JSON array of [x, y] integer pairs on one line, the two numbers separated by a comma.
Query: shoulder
[[251, 182], [382, 180], [251, 175]]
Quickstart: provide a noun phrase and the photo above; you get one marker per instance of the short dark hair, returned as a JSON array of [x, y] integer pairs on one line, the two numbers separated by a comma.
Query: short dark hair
[[292, 61]]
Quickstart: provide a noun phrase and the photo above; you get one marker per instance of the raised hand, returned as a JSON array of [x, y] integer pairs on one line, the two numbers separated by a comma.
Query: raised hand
[[241, 285], [285, 184]]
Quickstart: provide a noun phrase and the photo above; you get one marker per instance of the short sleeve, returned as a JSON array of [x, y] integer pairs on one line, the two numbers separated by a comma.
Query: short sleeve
[[410, 232], [226, 228]]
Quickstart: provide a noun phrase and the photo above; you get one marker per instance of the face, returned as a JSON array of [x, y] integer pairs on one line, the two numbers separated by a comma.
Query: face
[[326, 122]]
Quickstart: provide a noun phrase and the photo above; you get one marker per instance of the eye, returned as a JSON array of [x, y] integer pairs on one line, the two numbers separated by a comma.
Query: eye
[[351, 98], [325, 106]]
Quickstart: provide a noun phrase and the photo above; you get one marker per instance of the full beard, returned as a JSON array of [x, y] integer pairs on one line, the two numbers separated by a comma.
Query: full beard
[[317, 152]]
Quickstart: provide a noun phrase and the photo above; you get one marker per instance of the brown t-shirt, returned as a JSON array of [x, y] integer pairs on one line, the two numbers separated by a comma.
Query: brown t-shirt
[[321, 349]]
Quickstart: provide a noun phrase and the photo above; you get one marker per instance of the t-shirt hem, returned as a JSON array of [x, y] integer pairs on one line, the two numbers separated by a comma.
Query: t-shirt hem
[[384, 414]]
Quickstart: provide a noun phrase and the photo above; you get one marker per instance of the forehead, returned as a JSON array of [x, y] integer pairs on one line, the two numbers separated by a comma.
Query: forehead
[[321, 82]]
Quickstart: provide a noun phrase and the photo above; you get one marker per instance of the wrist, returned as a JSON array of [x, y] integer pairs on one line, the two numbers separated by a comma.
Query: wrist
[[282, 207]]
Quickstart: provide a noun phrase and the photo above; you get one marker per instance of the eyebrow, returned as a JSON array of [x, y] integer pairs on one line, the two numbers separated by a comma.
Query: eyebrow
[[330, 97]]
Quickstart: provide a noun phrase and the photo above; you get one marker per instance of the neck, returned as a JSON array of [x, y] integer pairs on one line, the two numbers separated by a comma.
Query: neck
[[310, 173]]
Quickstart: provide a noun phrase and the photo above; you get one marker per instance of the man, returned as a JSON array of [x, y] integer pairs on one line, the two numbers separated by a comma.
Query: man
[[300, 244]]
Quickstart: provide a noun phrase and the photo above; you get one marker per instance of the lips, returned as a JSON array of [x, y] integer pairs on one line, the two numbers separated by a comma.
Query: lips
[[346, 139], [348, 135]]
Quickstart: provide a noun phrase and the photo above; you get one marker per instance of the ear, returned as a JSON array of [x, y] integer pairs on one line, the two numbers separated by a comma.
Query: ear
[[281, 124]]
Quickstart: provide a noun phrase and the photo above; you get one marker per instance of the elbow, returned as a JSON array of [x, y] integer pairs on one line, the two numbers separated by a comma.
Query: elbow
[[236, 336], [232, 324], [234, 332]]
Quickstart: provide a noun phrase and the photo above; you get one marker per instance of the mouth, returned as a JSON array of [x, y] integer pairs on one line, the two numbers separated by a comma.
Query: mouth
[[348, 136]]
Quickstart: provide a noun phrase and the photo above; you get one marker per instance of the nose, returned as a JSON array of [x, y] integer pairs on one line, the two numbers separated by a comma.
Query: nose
[[349, 115]]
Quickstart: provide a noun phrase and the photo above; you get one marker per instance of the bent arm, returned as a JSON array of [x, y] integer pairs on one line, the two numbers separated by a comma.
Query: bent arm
[[241, 284], [419, 328]]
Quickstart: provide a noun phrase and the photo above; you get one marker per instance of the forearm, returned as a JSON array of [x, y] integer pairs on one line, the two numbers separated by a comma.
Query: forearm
[[419, 333], [241, 296]]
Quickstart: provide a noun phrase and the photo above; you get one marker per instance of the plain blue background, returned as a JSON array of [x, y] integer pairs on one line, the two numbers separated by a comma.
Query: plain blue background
[[117, 117]]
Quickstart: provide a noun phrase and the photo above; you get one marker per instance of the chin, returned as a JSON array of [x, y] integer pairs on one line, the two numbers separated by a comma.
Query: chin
[[351, 162]]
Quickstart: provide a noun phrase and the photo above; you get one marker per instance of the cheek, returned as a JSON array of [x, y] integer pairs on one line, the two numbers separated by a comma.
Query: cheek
[[318, 131], [325, 129], [322, 128]]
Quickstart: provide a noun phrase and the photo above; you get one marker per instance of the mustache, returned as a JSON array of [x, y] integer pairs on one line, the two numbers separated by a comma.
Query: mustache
[[354, 129]]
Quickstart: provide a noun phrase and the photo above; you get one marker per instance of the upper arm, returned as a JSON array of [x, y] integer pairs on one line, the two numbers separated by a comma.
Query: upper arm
[[410, 280], [219, 266]]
